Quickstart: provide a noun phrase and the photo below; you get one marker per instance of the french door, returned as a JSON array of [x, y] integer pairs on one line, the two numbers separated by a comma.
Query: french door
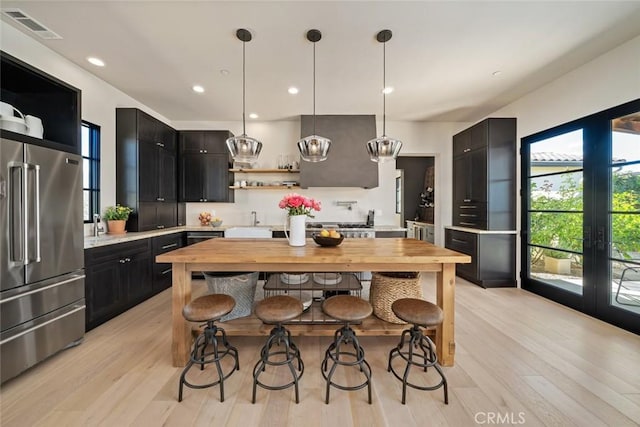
[[581, 215]]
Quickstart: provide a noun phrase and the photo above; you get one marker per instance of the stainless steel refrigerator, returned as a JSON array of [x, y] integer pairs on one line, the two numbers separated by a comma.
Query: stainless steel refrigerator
[[41, 254]]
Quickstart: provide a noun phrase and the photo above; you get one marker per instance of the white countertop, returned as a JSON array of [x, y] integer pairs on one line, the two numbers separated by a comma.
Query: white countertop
[[111, 239], [476, 231]]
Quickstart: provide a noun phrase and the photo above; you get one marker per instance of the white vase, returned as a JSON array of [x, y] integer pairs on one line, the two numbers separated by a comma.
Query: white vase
[[297, 228]]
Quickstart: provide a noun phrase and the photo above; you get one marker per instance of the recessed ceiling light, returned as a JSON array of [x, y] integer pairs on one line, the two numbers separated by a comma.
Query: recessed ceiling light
[[496, 73], [96, 61], [387, 90], [253, 116], [224, 72], [292, 90], [198, 88]]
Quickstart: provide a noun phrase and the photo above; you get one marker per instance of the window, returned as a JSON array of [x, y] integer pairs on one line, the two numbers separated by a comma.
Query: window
[[90, 170]]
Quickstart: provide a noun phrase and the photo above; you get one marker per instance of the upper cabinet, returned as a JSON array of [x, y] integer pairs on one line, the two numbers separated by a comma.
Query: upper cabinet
[[146, 169], [484, 175], [348, 163], [35, 93], [204, 160]]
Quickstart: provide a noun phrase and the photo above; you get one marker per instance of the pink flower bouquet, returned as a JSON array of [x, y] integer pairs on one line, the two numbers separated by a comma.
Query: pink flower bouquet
[[296, 204]]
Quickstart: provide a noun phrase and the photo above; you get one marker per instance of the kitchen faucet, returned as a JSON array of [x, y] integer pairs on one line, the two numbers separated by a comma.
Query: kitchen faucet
[[97, 227], [254, 218]]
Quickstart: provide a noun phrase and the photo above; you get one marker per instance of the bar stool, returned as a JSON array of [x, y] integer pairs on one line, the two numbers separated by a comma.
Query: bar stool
[[347, 309], [209, 308], [275, 310], [419, 313]]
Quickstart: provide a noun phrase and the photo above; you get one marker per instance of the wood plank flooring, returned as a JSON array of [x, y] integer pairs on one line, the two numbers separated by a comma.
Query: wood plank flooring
[[520, 360]]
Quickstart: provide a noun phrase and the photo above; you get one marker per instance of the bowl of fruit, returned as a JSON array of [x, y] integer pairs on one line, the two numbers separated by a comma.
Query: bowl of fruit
[[216, 222], [328, 238]]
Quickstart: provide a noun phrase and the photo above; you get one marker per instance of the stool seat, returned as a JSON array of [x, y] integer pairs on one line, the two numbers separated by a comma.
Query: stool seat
[[279, 308], [418, 312], [208, 307], [347, 308]]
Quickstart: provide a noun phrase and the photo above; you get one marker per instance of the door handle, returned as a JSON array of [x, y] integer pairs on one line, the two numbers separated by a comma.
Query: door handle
[[38, 242], [600, 238], [586, 236]]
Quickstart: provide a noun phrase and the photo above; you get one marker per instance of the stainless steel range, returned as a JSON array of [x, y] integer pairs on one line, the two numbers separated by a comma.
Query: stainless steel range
[[350, 230]]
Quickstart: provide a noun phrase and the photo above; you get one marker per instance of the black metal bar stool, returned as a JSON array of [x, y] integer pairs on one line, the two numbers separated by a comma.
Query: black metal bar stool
[[420, 349], [276, 310], [348, 309], [209, 308]]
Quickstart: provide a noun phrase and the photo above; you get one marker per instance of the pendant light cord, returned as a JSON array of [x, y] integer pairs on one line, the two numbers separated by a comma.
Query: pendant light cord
[[244, 131], [314, 88], [384, 88]]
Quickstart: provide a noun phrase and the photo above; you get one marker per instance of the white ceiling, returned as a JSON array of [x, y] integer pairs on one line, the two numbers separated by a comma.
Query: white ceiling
[[440, 60]]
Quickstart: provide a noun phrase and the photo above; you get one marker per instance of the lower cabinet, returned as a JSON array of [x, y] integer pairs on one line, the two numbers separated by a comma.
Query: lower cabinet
[[162, 273], [118, 277], [493, 256]]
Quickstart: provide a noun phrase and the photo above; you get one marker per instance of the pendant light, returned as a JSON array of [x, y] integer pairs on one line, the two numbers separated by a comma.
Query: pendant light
[[243, 148], [314, 148], [384, 148]]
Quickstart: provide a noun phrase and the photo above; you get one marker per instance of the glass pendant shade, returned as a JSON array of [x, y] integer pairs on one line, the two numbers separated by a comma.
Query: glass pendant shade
[[314, 148], [383, 149], [243, 148]]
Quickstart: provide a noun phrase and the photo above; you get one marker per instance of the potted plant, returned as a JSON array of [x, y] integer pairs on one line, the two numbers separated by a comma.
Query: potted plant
[[557, 262], [116, 217]]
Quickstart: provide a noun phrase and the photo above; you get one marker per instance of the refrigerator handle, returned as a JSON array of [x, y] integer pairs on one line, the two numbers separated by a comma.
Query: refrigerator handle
[[25, 212], [13, 192], [37, 213]]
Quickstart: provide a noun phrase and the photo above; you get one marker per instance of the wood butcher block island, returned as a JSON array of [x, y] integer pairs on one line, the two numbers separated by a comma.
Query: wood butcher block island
[[275, 255]]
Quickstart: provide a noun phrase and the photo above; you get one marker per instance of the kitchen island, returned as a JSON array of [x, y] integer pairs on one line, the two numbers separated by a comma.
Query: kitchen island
[[275, 255]]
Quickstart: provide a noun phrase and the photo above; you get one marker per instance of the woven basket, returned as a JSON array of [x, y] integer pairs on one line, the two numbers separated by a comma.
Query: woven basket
[[389, 287], [241, 286]]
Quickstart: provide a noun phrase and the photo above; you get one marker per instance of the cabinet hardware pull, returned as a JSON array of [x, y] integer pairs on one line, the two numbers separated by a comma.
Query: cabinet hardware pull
[[127, 259], [173, 245], [159, 144], [160, 199], [167, 271], [468, 207], [460, 241], [204, 151], [466, 200], [468, 215], [121, 261], [160, 226], [466, 150], [467, 223]]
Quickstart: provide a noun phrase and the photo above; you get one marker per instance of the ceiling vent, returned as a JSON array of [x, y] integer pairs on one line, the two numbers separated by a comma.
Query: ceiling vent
[[31, 24]]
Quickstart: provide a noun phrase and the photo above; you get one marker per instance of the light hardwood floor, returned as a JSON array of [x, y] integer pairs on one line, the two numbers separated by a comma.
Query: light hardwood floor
[[520, 360]]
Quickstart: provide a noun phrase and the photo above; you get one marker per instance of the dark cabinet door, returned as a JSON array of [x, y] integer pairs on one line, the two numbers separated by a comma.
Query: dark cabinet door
[[137, 271], [477, 163], [104, 295], [192, 172], [148, 178], [192, 141], [166, 214], [167, 175], [216, 178], [460, 179]]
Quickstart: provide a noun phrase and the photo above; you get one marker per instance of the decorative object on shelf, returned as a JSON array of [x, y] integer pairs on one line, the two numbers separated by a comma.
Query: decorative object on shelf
[[244, 148], [116, 217], [298, 208], [314, 148], [204, 218], [384, 148]]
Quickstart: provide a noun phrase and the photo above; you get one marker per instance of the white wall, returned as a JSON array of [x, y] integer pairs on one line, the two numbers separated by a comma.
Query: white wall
[[609, 80]]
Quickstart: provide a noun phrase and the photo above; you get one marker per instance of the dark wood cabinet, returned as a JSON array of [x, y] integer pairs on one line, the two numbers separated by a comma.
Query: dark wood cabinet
[[484, 175], [493, 256], [36, 93], [118, 277], [162, 272], [204, 163], [146, 170]]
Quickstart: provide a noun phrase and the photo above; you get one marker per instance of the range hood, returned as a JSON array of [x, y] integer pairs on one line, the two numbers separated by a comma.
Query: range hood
[[348, 163]]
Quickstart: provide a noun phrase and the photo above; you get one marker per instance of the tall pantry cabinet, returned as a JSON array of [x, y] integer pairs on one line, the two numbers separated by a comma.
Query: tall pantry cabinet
[[484, 202]]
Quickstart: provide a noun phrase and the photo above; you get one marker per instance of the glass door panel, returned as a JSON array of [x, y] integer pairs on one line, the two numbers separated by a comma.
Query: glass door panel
[[624, 214], [555, 214]]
